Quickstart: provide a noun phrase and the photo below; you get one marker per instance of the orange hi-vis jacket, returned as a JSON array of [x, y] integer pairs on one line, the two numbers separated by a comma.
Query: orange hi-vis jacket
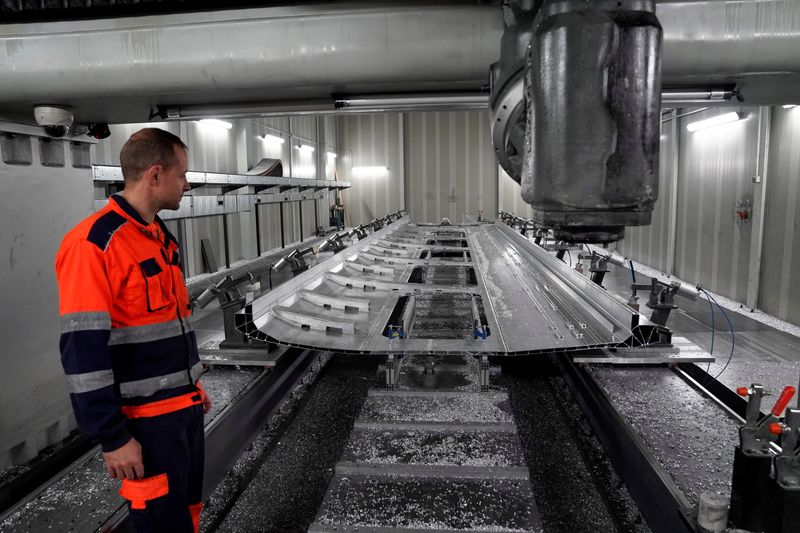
[[126, 337]]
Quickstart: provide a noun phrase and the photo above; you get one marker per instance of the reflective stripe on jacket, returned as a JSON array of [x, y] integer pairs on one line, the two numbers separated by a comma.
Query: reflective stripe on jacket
[[126, 335]]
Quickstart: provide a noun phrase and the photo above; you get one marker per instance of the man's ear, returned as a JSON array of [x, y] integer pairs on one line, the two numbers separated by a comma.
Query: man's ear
[[152, 175]]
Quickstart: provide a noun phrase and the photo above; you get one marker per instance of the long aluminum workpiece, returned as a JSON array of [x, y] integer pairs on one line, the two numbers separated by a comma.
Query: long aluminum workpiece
[[480, 289]]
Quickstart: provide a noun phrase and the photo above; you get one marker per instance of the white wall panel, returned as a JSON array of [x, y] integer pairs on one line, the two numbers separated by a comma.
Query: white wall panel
[[450, 166], [211, 149], [509, 198], [650, 244], [716, 170], [371, 140], [780, 279]]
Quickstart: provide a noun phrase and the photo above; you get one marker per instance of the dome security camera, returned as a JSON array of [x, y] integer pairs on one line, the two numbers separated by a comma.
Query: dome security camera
[[55, 120]]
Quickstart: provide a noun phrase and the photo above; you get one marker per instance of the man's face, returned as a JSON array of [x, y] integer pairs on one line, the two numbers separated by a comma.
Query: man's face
[[173, 181]]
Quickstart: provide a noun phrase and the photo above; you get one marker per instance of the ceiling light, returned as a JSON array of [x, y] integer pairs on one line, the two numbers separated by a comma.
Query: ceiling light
[[216, 123], [364, 171], [789, 106], [274, 138], [719, 120], [305, 147]]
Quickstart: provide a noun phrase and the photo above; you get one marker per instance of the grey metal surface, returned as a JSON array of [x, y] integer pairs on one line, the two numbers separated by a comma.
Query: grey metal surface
[[400, 49], [781, 259], [591, 194], [682, 351], [36, 411], [717, 167], [530, 301], [690, 435]]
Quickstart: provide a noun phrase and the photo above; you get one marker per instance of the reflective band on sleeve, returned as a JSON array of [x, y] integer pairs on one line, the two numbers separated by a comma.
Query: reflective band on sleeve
[[93, 320], [150, 386], [139, 492], [150, 332], [89, 381]]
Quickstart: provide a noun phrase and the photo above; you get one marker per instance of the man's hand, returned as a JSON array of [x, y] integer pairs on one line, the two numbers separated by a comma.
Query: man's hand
[[125, 462], [206, 403]]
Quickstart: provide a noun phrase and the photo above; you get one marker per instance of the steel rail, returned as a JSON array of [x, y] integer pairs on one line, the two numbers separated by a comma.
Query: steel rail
[[29, 484], [708, 385], [51, 472], [238, 424], [663, 505]]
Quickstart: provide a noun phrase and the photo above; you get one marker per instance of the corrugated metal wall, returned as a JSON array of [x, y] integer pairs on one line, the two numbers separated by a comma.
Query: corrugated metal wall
[[370, 141], [450, 166], [780, 277], [509, 197], [716, 170], [650, 244]]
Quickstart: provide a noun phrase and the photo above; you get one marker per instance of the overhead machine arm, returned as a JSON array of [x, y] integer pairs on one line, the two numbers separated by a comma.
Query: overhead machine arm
[[575, 102]]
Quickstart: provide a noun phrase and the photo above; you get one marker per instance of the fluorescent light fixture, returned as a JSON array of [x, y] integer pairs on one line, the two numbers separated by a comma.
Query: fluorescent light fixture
[[719, 120], [216, 123], [332, 155], [305, 147], [789, 106], [369, 171], [274, 138]]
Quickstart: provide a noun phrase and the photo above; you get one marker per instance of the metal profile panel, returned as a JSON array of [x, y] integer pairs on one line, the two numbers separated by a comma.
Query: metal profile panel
[[529, 302]]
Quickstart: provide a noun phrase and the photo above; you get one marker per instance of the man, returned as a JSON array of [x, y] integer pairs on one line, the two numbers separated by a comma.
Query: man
[[127, 345]]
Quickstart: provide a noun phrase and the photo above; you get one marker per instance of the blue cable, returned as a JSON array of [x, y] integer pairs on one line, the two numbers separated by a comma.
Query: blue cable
[[730, 325], [633, 273]]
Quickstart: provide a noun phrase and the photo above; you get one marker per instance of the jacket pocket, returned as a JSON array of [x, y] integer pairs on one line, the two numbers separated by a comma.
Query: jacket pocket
[[155, 285]]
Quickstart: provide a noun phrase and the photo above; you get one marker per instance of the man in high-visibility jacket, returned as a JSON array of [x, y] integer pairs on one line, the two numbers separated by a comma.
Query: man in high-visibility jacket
[[127, 344]]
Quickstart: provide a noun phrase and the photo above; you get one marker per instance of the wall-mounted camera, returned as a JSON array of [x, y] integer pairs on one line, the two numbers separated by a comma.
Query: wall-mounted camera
[[98, 130], [55, 120]]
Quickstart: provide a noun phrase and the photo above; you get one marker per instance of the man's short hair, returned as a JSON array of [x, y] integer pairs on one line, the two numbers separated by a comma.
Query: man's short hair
[[145, 148]]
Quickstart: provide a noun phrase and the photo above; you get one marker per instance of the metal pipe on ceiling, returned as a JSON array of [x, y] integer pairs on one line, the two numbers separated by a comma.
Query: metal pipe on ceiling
[[117, 68], [382, 103]]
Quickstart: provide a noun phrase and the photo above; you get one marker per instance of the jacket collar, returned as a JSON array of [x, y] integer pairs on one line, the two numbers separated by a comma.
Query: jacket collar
[[128, 209]]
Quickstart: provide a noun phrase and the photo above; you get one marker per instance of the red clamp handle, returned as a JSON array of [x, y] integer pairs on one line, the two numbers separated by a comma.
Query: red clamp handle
[[783, 400], [776, 428], [743, 391]]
